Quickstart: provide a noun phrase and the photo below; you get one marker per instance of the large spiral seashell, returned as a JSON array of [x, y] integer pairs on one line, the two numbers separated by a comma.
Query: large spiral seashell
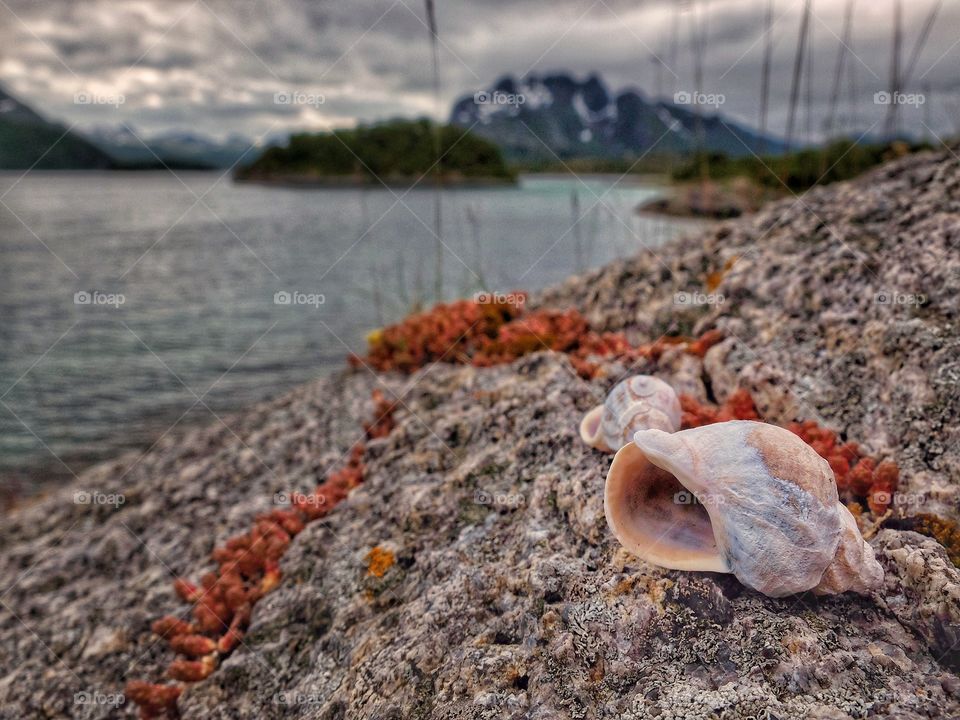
[[738, 497], [640, 402]]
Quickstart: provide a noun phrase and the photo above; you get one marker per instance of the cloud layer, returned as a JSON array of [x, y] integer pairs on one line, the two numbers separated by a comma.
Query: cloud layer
[[219, 66]]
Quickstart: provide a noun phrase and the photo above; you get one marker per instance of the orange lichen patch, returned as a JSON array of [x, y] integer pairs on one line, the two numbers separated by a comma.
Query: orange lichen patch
[[379, 560], [944, 531], [716, 277], [797, 644], [154, 700]]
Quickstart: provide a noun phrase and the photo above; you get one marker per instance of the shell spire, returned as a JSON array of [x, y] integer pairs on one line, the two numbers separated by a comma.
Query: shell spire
[[742, 497], [638, 403]]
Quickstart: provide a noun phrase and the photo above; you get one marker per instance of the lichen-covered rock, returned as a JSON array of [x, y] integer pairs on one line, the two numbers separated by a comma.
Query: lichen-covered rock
[[923, 590], [505, 595]]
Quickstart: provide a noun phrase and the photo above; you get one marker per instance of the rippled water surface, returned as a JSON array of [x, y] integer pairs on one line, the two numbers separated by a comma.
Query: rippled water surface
[[197, 263]]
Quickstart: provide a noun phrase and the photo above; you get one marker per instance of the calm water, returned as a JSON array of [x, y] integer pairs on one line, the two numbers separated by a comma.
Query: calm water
[[197, 262]]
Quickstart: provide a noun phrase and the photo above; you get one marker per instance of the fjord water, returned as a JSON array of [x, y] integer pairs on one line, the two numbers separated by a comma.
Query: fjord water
[[135, 304]]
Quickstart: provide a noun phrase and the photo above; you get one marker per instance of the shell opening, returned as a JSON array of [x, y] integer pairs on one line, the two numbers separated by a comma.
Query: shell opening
[[655, 517]]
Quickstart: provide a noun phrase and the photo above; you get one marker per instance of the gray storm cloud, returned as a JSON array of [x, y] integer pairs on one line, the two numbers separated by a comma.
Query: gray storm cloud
[[216, 65]]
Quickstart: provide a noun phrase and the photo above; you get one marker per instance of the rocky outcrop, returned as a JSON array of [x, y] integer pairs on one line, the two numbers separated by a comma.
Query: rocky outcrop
[[841, 305], [508, 596]]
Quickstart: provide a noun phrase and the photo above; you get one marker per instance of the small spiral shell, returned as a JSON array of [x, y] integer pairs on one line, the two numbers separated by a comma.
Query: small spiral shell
[[641, 402]]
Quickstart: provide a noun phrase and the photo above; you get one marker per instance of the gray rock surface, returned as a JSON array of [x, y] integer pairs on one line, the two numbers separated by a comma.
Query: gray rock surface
[[509, 597]]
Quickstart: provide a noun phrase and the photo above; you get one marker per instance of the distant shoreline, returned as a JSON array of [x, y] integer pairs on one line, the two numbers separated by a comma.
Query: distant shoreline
[[352, 182]]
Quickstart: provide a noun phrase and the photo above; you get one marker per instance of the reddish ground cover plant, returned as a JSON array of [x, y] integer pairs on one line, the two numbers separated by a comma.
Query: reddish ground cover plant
[[739, 406], [497, 332], [857, 474], [248, 567], [153, 700], [383, 410], [448, 332], [706, 341]]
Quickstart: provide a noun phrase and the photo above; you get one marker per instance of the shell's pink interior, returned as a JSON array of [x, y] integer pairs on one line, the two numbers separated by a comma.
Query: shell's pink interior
[[656, 518]]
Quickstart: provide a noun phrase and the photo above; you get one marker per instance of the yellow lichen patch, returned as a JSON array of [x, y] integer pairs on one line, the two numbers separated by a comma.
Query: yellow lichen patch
[[856, 509], [374, 336], [270, 580], [944, 531], [796, 644], [551, 619], [379, 560], [624, 586], [656, 589], [597, 672]]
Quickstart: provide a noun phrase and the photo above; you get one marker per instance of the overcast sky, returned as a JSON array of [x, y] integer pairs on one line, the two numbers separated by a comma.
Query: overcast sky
[[216, 65]]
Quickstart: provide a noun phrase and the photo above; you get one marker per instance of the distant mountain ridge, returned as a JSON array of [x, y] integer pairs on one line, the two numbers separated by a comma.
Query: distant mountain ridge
[[542, 117], [28, 140], [181, 148]]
